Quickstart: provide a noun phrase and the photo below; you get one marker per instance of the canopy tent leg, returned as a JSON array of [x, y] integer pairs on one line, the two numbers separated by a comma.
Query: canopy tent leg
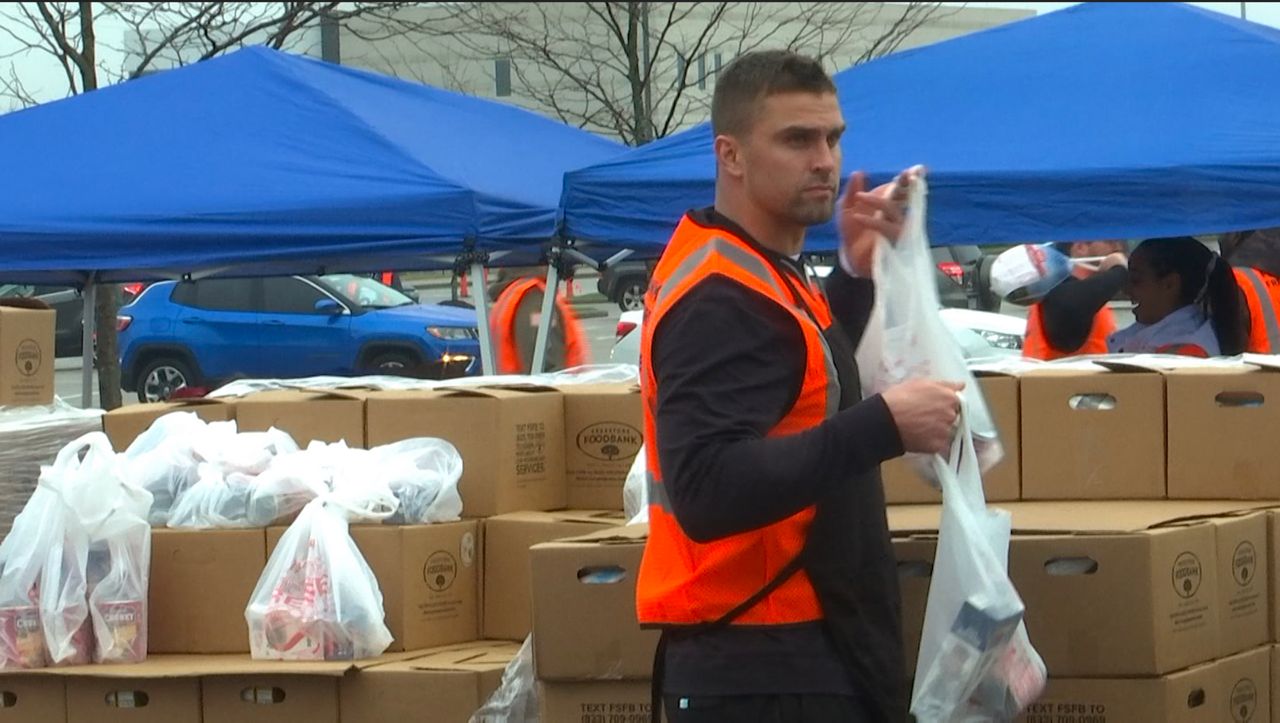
[[544, 321], [89, 319], [481, 297]]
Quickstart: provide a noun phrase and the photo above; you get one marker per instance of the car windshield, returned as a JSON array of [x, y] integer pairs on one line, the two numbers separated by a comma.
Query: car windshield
[[365, 292]]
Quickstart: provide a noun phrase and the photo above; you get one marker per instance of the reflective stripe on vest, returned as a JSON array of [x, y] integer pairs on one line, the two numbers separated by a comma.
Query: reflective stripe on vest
[[1262, 312], [683, 582]]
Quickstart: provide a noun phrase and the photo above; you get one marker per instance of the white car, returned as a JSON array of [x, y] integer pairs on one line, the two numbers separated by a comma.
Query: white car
[[980, 334]]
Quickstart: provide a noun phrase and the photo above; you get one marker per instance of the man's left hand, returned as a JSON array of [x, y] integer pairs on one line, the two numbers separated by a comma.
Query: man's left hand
[[865, 216]]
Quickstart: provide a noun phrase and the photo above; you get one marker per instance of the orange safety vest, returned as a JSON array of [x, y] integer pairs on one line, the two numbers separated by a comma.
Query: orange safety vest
[[682, 582], [1036, 345], [503, 328], [1262, 295]]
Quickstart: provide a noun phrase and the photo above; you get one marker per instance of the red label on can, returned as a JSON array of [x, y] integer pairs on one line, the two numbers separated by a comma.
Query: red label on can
[[21, 637], [123, 632]]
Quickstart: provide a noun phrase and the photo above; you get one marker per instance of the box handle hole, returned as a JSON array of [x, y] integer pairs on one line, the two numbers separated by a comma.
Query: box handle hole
[[262, 695], [1196, 698], [1066, 566], [915, 568], [601, 575], [1240, 399], [1100, 402], [8, 699], [128, 699]]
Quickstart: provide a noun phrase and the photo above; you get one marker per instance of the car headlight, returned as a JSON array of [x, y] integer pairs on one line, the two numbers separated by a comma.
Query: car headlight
[[1001, 341], [452, 333], [455, 358]]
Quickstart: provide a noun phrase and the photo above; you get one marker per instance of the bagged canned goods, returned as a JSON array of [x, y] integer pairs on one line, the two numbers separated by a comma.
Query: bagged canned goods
[[21, 637], [120, 628]]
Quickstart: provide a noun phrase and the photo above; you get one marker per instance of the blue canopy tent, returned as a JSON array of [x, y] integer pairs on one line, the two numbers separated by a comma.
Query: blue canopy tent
[[265, 163], [1103, 120]]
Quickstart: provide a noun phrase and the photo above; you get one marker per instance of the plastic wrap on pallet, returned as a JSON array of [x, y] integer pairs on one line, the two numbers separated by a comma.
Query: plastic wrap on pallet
[[30, 437], [591, 374]]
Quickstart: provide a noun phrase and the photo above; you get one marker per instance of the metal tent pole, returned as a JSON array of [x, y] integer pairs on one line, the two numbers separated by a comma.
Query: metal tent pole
[[89, 318], [481, 296], [544, 322]]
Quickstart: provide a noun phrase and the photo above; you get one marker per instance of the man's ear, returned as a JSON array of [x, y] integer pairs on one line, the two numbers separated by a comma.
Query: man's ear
[[729, 155]]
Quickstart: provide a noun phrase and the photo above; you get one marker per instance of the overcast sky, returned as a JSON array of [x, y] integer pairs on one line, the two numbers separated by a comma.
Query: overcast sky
[[45, 80]]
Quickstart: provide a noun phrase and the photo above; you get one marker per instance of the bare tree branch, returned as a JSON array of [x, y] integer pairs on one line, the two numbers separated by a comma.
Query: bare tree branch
[[627, 67]]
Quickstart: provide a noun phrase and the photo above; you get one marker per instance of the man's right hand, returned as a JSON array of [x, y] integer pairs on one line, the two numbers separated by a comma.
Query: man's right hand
[[926, 414]]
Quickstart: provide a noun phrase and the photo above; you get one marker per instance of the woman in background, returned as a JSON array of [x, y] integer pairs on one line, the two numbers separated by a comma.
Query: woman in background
[[1186, 302]]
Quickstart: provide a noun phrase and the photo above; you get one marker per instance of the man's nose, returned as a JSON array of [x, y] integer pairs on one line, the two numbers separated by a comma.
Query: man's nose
[[824, 160]]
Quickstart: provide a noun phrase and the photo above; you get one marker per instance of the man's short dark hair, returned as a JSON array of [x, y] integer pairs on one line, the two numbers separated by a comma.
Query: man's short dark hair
[[757, 75]]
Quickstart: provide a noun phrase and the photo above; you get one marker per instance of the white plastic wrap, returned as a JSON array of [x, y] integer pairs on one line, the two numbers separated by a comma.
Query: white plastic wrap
[[37, 528], [516, 699], [635, 491], [976, 661], [589, 374], [29, 438], [906, 339], [317, 599]]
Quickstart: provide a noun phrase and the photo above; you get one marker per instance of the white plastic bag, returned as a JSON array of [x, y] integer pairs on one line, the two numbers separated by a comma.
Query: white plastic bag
[[227, 473], [22, 555], [317, 599], [119, 569], [423, 475], [516, 699], [976, 661], [905, 338], [162, 460], [635, 491]]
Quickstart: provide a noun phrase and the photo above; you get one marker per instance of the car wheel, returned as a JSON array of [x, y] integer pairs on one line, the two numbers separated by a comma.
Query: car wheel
[[631, 295], [394, 363], [161, 377]]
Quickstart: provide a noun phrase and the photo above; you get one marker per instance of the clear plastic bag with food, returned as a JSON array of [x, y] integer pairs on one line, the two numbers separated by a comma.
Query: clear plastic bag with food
[[318, 599]]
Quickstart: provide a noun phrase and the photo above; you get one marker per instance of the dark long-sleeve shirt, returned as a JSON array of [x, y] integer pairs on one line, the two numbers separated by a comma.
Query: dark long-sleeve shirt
[[730, 364], [1068, 310]]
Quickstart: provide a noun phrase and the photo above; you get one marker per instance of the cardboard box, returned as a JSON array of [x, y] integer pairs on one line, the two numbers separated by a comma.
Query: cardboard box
[[1002, 483], [1091, 434], [1275, 679], [25, 698], [1234, 689], [508, 580], [26, 352], [604, 429], [203, 688], [269, 699], [915, 557], [1244, 580], [1215, 416], [429, 578], [1123, 588], [133, 700], [444, 685], [613, 701], [511, 440], [325, 416], [200, 583], [584, 607], [1273, 571], [125, 424]]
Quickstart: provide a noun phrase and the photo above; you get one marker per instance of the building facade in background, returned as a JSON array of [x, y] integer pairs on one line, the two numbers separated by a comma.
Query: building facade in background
[[634, 71]]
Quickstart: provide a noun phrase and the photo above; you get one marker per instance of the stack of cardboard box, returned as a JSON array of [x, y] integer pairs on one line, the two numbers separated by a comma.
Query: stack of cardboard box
[[458, 597], [1142, 548]]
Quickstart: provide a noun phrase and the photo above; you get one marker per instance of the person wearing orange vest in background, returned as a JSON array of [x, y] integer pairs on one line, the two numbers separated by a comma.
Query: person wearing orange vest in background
[[769, 567], [1073, 318], [514, 326], [1255, 258]]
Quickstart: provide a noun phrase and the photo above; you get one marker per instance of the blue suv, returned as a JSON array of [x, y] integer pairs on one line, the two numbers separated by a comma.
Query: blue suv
[[208, 332]]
